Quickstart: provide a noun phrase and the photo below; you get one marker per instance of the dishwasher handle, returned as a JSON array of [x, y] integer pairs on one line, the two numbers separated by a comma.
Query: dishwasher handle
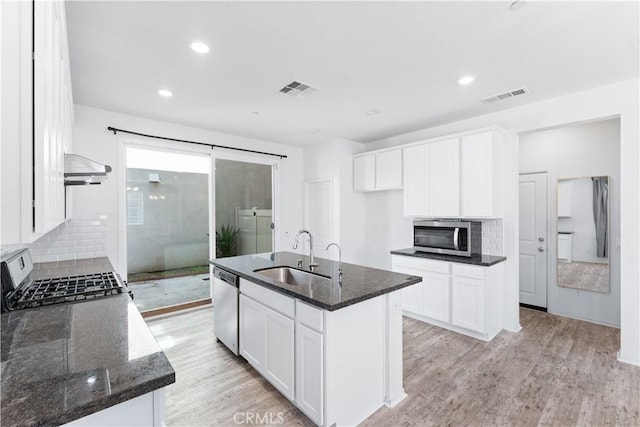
[[225, 276]]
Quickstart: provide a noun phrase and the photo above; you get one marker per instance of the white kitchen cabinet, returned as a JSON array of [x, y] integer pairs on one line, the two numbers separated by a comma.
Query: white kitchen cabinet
[[389, 170], [341, 373], [565, 189], [480, 177], [279, 366], [415, 178], [435, 295], [267, 335], [309, 372], [565, 246], [454, 177], [378, 171], [444, 178], [467, 303], [460, 297], [364, 173], [252, 332], [37, 118], [431, 179]]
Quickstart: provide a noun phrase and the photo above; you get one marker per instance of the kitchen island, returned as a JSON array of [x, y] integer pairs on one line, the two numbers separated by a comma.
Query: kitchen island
[[93, 362], [334, 350]]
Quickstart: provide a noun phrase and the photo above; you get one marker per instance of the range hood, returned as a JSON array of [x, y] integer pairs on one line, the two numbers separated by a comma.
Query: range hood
[[79, 170]]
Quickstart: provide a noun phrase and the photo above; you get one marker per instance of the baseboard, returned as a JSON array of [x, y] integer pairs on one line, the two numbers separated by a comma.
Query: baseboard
[[533, 307], [629, 362]]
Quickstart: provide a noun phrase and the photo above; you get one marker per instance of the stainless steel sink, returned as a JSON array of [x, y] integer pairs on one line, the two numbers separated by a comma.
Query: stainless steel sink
[[292, 276]]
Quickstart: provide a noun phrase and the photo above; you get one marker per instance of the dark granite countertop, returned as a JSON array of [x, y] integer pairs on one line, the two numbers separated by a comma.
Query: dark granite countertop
[[481, 260], [359, 283], [65, 361]]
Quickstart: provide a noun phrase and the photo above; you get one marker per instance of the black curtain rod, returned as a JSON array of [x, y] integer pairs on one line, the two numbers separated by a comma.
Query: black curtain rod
[[115, 130]]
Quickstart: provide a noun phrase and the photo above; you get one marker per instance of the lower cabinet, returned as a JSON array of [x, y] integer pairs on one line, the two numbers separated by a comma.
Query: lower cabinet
[[285, 345], [460, 297], [468, 303], [309, 371], [267, 343]]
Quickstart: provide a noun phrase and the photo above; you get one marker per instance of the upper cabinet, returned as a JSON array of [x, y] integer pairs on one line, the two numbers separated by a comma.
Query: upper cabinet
[[378, 171], [431, 179], [454, 177], [37, 117], [480, 175]]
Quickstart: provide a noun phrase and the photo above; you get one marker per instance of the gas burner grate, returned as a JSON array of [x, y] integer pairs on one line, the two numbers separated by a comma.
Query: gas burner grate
[[71, 288]]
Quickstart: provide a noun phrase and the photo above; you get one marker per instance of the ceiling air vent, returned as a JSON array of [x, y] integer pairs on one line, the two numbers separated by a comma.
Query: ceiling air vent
[[505, 95], [298, 89]]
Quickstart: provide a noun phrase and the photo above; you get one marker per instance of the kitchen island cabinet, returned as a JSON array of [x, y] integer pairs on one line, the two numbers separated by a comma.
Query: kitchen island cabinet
[[334, 351]]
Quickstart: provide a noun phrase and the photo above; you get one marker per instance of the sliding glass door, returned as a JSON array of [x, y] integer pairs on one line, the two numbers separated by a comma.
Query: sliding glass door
[[244, 208], [168, 217]]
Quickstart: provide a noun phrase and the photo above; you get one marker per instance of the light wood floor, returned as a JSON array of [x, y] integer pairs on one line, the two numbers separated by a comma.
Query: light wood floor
[[556, 371]]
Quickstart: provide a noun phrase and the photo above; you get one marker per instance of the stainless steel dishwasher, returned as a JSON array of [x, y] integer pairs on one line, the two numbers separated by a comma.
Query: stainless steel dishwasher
[[225, 308]]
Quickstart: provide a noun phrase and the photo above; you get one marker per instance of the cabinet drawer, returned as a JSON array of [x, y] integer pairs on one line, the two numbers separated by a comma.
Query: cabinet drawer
[[272, 299], [309, 316], [420, 263], [468, 271]]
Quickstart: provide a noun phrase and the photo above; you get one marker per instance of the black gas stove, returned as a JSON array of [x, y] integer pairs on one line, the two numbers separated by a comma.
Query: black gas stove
[[20, 292]]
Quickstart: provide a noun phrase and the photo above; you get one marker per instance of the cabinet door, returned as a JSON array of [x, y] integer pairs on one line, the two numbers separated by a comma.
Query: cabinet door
[[252, 333], [388, 170], [477, 170], [564, 247], [309, 372], [444, 178], [435, 296], [50, 114], [468, 303], [279, 368], [364, 173], [415, 178]]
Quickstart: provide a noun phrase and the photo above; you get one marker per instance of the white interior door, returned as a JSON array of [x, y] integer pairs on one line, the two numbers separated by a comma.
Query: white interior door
[[533, 239]]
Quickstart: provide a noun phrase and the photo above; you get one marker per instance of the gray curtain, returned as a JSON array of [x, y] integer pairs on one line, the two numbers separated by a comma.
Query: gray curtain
[[600, 213]]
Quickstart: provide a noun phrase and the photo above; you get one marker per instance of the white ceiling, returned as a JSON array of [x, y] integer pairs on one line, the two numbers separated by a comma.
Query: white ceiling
[[400, 58]]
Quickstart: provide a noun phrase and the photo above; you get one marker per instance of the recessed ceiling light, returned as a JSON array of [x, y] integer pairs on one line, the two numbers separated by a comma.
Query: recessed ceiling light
[[465, 80], [257, 113], [165, 92], [372, 112], [199, 47], [517, 4]]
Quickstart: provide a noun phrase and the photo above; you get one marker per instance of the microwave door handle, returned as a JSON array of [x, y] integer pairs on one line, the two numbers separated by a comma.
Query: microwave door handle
[[456, 235]]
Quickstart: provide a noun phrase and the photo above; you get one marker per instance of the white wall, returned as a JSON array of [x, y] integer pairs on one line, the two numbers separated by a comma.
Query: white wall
[[335, 159], [587, 149], [619, 99], [93, 140]]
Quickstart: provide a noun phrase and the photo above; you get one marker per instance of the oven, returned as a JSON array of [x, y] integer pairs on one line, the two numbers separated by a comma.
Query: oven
[[448, 237], [19, 291]]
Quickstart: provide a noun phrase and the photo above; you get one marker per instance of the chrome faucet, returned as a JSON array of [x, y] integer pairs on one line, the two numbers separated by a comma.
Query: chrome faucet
[[339, 260], [312, 262]]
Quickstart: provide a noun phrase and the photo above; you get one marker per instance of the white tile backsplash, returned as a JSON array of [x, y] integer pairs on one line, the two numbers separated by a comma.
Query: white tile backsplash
[[492, 237], [84, 236]]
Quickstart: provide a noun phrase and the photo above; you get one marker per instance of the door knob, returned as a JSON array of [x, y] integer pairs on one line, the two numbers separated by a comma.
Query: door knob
[[540, 249], [540, 239]]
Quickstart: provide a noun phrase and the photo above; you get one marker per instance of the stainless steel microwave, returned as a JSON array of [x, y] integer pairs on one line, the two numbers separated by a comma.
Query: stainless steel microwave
[[449, 237]]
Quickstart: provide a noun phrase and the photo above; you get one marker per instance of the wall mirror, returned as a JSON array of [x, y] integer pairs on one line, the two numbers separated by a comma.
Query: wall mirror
[[583, 233]]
